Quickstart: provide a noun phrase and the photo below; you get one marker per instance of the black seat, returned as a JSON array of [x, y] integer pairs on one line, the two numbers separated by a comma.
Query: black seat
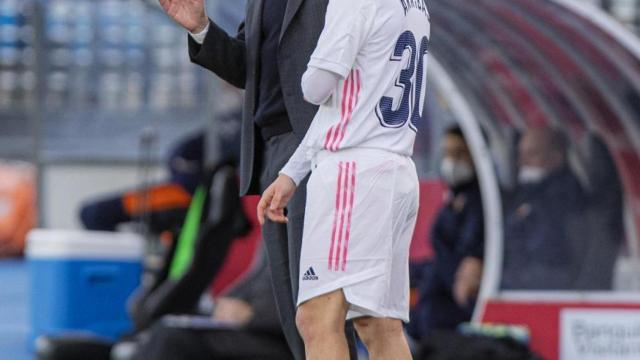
[[222, 222]]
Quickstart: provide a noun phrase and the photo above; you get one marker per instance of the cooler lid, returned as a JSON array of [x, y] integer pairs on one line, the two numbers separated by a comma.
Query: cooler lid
[[74, 244]]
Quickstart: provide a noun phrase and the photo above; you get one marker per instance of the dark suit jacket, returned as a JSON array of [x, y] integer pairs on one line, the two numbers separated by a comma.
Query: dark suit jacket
[[235, 59]]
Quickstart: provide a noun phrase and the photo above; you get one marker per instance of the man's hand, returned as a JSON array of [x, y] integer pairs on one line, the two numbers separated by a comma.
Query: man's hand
[[275, 199], [467, 282], [190, 14]]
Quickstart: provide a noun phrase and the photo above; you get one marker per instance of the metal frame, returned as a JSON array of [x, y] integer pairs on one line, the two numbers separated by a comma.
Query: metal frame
[[469, 122], [487, 178]]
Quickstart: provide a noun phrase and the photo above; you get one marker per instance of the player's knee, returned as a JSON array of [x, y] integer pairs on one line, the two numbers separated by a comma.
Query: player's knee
[[366, 329], [314, 324], [307, 323], [375, 330]]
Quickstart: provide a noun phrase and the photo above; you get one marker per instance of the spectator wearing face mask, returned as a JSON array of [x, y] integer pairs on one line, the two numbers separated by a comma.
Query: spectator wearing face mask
[[458, 240], [539, 214]]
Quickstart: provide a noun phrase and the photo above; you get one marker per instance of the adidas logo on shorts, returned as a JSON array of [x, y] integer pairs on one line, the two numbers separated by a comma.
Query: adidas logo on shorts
[[310, 275]]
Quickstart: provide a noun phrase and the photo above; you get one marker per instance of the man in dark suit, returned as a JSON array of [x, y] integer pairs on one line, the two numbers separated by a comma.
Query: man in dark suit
[[544, 216], [266, 58]]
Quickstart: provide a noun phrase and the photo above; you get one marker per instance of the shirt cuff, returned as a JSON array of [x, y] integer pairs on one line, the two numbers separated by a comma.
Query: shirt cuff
[[296, 176], [199, 37], [297, 169]]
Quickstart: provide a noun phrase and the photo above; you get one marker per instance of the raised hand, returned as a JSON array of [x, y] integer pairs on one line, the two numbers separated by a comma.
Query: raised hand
[[190, 14]]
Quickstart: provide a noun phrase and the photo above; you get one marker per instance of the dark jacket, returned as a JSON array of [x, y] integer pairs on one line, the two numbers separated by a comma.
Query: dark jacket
[[539, 247], [235, 59], [457, 233]]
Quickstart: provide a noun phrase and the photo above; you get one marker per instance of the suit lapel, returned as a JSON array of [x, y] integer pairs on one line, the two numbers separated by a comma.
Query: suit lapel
[[253, 27], [254, 20], [292, 9]]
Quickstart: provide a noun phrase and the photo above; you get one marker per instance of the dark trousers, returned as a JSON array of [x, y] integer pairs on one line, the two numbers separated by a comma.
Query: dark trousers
[[284, 242], [441, 312], [104, 214], [167, 343]]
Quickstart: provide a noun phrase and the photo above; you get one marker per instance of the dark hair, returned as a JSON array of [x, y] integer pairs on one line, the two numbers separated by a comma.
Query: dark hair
[[455, 130]]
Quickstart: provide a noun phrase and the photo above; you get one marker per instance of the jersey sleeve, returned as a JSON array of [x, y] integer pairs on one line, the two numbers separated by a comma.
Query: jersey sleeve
[[318, 85], [348, 24], [299, 164]]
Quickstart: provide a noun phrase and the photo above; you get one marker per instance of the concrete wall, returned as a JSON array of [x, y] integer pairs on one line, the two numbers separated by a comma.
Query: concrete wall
[[64, 187]]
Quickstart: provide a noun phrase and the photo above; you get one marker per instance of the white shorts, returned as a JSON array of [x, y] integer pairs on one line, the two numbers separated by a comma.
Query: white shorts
[[359, 220]]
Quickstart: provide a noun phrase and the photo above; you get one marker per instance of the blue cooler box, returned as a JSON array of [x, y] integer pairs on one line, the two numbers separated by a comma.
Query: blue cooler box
[[80, 281]]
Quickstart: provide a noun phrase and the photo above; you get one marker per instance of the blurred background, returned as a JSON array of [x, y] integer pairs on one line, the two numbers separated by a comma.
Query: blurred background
[[122, 154]]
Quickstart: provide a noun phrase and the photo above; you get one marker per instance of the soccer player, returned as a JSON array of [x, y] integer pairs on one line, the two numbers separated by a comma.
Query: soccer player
[[367, 73]]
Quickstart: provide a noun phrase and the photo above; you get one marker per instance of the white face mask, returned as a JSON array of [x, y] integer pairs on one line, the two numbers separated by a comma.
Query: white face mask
[[531, 175], [455, 173]]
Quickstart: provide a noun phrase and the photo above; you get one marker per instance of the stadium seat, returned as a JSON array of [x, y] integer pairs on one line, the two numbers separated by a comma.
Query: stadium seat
[[199, 253]]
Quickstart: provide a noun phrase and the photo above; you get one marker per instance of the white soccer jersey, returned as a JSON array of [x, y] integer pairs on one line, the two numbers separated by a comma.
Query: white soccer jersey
[[379, 48]]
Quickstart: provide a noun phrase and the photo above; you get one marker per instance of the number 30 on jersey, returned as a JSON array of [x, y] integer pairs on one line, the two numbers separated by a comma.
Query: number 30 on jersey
[[409, 106]]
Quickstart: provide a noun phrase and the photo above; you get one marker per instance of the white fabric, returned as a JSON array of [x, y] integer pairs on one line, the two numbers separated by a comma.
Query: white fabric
[[318, 85], [358, 42], [360, 215], [199, 37], [348, 25]]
